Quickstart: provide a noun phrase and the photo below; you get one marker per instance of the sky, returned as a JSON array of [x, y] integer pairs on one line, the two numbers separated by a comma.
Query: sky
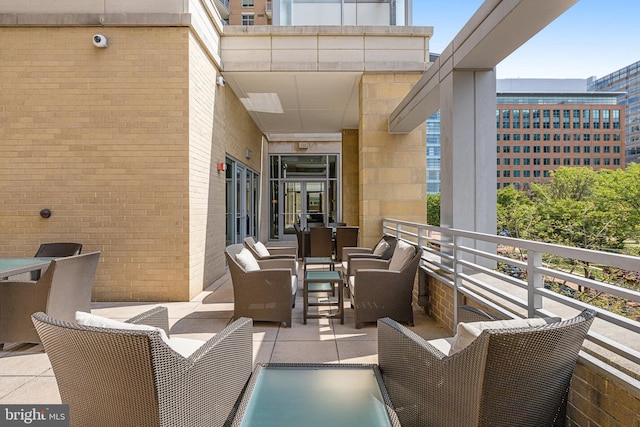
[[592, 38]]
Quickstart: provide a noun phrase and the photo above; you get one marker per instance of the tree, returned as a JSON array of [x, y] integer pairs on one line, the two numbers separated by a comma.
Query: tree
[[516, 213], [433, 209]]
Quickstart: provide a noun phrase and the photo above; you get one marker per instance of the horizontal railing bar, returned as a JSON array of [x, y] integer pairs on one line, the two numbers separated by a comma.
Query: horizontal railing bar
[[600, 286]]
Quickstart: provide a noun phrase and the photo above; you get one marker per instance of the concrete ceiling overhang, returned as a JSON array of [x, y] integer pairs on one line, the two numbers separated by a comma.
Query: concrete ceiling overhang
[[495, 31], [305, 81], [285, 102]]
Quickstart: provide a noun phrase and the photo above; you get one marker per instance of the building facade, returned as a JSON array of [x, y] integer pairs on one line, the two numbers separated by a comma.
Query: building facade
[[540, 132], [310, 12], [156, 148], [626, 82]]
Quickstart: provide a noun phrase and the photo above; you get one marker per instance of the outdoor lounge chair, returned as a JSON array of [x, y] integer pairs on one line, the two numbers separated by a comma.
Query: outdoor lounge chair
[[261, 252], [321, 242], [258, 250], [55, 250], [517, 376], [264, 290], [64, 288], [132, 377], [345, 237], [383, 249], [384, 288]]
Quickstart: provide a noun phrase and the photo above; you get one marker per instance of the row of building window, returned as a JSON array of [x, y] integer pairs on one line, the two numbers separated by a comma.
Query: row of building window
[[556, 119], [557, 148], [526, 173], [557, 137], [559, 161]]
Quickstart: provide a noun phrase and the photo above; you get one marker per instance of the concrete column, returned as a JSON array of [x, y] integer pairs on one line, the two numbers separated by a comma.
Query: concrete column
[[468, 154], [392, 168]]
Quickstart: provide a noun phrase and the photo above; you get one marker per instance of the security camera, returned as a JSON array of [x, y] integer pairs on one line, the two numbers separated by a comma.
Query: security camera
[[221, 81], [99, 40]]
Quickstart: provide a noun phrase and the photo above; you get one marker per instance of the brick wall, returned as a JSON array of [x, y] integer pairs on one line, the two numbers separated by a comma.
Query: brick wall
[[118, 143], [392, 167]]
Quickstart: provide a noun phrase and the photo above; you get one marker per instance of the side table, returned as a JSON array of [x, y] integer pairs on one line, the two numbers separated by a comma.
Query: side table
[[323, 281]]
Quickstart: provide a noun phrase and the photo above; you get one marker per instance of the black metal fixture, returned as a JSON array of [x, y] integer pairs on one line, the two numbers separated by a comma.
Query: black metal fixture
[[45, 213]]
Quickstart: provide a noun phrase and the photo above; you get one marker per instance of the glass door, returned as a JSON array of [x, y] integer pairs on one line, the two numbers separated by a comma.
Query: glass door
[[304, 203], [303, 190]]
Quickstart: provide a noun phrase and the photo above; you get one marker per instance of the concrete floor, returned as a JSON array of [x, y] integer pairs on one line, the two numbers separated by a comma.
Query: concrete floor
[[26, 376]]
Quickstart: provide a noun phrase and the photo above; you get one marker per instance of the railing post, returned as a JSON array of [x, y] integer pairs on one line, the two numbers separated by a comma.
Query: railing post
[[457, 280], [534, 282]]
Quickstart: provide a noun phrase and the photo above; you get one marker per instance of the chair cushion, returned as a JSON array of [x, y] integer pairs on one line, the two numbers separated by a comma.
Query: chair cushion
[[401, 256], [294, 284], [88, 319], [247, 261], [261, 249], [381, 247], [352, 285], [467, 332], [442, 344], [183, 346]]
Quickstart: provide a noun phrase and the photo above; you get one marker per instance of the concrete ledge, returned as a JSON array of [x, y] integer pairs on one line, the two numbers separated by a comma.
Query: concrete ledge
[[95, 19]]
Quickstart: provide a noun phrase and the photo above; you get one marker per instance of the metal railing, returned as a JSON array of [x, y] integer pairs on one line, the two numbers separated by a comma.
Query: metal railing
[[467, 261]]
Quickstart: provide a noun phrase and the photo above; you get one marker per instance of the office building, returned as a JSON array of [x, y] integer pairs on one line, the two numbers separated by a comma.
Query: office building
[[539, 131], [626, 82]]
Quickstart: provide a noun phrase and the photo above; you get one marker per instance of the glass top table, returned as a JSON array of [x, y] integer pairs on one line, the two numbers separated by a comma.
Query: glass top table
[[318, 260], [323, 281], [282, 395], [13, 266]]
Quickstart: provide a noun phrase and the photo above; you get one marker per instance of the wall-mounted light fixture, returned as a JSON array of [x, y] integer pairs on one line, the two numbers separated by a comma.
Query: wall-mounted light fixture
[[222, 167], [220, 81], [248, 154], [45, 213]]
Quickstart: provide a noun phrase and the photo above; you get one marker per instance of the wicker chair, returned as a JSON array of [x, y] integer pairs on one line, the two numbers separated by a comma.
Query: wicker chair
[[127, 377], [55, 250], [266, 294], [274, 251], [63, 289], [379, 250], [505, 377], [321, 242], [384, 288], [346, 237]]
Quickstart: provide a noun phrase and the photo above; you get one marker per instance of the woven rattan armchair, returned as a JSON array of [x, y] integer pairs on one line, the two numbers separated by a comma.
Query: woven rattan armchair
[[385, 252], [64, 288], [266, 294], [56, 250], [346, 237], [320, 241], [274, 251], [118, 377], [505, 377], [384, 288]]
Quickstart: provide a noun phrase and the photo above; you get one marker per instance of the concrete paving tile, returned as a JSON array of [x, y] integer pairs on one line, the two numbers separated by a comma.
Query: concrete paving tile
[[348, 331], [198, 326], [262, 351], [314, 330], [266, 331], [24, 364], [305, 352], [357, 351], [8, 384], [38, 390]]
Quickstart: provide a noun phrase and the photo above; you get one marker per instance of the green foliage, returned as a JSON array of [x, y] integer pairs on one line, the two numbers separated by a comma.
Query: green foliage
[[433, 209], [583, 208]]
